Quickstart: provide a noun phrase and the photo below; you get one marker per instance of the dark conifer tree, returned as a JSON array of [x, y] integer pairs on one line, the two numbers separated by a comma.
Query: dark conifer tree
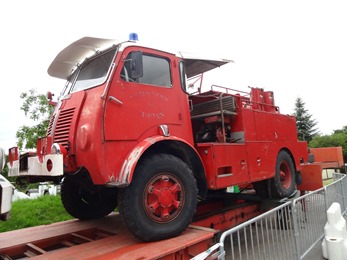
[[305, 124]]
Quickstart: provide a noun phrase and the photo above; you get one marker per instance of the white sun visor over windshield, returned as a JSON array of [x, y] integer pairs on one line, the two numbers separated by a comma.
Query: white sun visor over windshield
[[198, 65], [68, 59]]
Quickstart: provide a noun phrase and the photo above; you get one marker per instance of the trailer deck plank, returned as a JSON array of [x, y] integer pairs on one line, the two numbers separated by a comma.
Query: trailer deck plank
[[121, 245], [125, 246], [27, 235]]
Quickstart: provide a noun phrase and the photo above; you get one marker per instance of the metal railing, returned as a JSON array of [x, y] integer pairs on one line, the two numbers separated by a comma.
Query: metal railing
[[288, 231], [310, 213]]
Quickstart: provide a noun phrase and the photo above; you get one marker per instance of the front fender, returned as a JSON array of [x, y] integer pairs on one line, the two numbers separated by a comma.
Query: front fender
[[129, 165]]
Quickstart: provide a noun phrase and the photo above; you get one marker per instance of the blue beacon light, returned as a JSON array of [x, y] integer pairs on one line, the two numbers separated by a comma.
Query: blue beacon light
[[133, 37]]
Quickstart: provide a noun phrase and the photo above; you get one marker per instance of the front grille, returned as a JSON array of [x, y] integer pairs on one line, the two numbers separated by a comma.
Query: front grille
[[62, 128], [50, 125]]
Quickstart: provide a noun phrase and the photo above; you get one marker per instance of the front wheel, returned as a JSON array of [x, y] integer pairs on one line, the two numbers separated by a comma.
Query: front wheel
[[283, 184], [82, 200], [161, 200]]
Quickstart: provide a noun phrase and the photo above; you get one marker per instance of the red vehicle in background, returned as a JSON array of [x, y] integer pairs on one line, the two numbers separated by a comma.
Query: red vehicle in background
[[127, 132]]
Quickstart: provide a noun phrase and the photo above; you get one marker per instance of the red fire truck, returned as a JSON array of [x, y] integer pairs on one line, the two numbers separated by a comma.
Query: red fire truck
[[128, 132]]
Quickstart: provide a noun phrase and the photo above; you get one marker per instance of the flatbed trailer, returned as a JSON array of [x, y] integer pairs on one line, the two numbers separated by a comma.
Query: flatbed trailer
[[108, 238]]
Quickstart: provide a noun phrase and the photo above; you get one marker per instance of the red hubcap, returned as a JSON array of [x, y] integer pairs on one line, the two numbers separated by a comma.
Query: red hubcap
[[163, 198], [285, 175]]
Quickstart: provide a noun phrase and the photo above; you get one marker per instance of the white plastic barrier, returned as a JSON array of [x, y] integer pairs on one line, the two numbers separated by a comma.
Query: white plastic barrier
[[334, 245]]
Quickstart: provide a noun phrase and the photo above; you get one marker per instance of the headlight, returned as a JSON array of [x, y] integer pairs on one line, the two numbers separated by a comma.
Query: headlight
[[58, 149]]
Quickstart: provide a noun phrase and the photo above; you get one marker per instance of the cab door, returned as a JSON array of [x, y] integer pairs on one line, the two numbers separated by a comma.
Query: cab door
[[137, 106]]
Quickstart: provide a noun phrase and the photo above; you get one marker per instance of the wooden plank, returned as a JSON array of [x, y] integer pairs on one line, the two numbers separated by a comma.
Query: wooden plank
[[126, 246], [83, 238], [36, 248], [28, 235], [122, 244]]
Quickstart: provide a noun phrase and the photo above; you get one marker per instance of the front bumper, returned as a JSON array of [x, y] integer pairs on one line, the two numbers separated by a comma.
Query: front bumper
[[48, 165]]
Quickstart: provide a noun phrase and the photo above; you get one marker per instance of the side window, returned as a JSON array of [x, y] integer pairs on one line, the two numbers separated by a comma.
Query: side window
[[156, 71], [183, 76]]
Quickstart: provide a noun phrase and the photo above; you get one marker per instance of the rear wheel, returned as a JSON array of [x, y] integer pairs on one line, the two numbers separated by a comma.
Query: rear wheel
[[83, 200], [161, 200], [283, 184]]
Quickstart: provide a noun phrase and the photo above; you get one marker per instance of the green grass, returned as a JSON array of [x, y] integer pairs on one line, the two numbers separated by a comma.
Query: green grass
[[33, 212], [327, 182]]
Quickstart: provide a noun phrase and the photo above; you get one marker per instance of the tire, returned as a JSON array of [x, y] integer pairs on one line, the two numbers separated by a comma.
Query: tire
[[262, 189], [284, 218], [161, 200], [283, 184], [87, 204]]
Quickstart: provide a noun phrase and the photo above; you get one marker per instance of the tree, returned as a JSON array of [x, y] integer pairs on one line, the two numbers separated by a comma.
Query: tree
[[341, 131], [37, 107], [305, 125]]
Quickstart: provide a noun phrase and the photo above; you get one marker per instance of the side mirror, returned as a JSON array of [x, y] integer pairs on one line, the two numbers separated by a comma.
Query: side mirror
[[136, 65]]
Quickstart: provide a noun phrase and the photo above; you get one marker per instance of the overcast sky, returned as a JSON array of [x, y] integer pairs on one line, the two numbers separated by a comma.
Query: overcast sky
[[294, 48]]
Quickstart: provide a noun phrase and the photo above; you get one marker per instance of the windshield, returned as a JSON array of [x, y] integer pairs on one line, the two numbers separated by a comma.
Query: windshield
[[92, 73]]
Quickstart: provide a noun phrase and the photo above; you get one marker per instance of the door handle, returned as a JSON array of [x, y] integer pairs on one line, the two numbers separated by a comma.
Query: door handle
[[112, 98]]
